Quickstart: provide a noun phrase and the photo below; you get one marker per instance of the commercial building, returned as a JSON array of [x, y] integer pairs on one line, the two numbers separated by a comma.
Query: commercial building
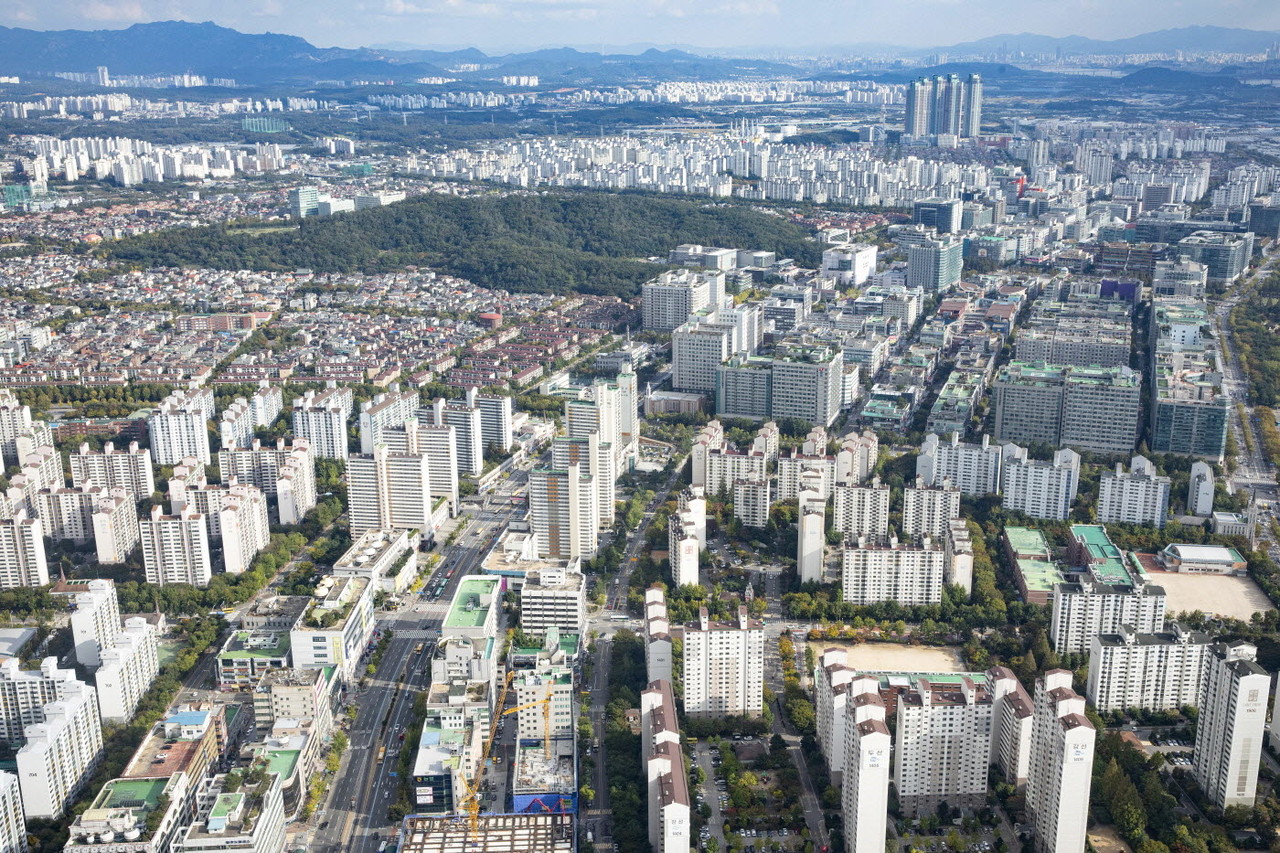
[[321, 418], [1149, 671], [1139, 496], [127, 670], [1231, 725], [1190, 408], [849, 264], [61, 753], [385, 557], [175, 548], [723, 666], [553, 597], [127, 469], [876, 569], [250, 819], [247, 656], [1225, 255], [294, 694], [806, 383], [1181, 278], [934, 266], [336, 627], [1087, 408], [1062, 743], [495, 833], [1040, 489], [179, 427], [974, 469], [697, 351]]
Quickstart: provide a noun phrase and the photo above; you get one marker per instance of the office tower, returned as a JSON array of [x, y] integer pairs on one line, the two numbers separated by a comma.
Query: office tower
[[128, 469], [25, 693], [61, 753], [1087, 408], [1041, 489], [175, 548], [1181, 278], [1061, 769], [180, 427], [1161, 671], [862, 510], [1200, 489], [553, 597], [114, 519], [466, 422], [563, 513], [669, 299], [236, 427], [95, 617], [389, 491], [864, 797], [1229, 731], [245, 528], [392, 409], [723, 666], [13, 828], [934, 266], [849, 264], [321, 418], [1190, 412], [811, 543], [944, 105], [974, 469], [595, 458], [1225, 256], [15, 419], [22, 554], [1140, 496], [806, 382], [667, 785], [127, 670], [940, 214], [284, 472], [658, 659], [304, 202], [495, 420], [929, 511], [876, 569]]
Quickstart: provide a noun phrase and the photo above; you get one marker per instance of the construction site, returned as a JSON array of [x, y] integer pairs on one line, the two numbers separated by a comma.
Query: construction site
[[490, 833]]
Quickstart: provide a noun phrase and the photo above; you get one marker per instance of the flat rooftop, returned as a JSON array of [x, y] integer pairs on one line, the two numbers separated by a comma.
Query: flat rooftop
[[282, 761], [469, 607], [1027, 540], [1106, 561], [132, 793], [498, 833]]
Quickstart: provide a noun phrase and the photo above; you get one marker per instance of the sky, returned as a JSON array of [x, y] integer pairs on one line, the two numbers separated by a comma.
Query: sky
[[510, 24]]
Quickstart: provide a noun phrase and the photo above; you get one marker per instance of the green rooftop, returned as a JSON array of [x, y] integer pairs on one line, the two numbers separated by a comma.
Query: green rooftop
[[283, 761], [132, 793], [239, 648], [1027, 540], [467, 611], [1106, 561], [1040, 575], [225, 805]]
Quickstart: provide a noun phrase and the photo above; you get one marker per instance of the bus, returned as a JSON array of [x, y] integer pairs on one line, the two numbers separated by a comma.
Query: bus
[[382, 753], [619, 617]]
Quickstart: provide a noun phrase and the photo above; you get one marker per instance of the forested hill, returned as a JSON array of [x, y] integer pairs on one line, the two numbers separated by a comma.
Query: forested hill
[[560, 242]]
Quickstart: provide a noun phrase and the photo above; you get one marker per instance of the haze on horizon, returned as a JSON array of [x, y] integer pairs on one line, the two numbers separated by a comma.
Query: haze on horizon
[[523, 24]]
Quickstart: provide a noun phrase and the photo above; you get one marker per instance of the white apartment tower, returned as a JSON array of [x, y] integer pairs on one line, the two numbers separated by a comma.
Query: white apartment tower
[[683, 549], [669, 299], [1200, 489], [61, 753], [929, 511], [128, 469], [467, 426], [179, 427], [1153, 671], [943, 744], [856, 460], [974, 469], [389, 491], [658, 661], [175, 548], [245, 528], [1062, 741], [1086, 608], [127, 670], [15, 419], [723, 666], [1140, 496], [114, 519], [670, 827], [284, 472], [1232, 722], [875, 569], [95, 617], [495, 420], [864, 797], [22, 554], [266, 404], [811, 543], [563, 513], [236, 427], [862, 510], [594, 456], [392, 410], [1041, 489], [321, 418], [25, 693], [13, 828]]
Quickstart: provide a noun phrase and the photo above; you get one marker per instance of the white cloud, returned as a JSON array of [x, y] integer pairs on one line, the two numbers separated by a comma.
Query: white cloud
[[113, 10]]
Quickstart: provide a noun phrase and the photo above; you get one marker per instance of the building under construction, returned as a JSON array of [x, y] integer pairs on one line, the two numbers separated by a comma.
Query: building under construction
[[544, 780], [494, 833]]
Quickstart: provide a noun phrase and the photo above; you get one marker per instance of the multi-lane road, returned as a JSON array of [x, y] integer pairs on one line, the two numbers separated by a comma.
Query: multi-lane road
[[354, 817]]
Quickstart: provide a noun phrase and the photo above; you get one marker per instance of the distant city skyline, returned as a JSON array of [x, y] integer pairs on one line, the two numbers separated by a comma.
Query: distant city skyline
[[799, 25]]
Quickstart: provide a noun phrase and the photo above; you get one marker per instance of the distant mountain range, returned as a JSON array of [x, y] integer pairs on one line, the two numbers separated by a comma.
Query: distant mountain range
[[215, 51]]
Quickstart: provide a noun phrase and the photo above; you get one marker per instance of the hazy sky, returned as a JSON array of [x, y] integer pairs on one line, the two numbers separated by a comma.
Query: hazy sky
[[709, 23]]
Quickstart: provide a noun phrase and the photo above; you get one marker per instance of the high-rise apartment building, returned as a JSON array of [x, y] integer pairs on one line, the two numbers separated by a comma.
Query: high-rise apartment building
[[1088, 408], [175, 548], [61, 753], [1231, 725], [1200, 489], [321, 418], [392, 409], [723, 666], [667, 785], [245, 528], [284, 472], [1041, 489], [862, 510], [669, 299], [929, 511], [1062, 742], [25, 693], [13, 828], [22, 554], [467, 425], [389, 491], [95, 617], [864, 796], [595, 457], [563, 513], [974, 469], [658, 661], [1149, 671], [811, 542], [180, 427], [697, 350], [1139, 496], [944, 105], [495, 420], [127, 670], [114, 519], [128, 469], [875, 569], [236, 427]]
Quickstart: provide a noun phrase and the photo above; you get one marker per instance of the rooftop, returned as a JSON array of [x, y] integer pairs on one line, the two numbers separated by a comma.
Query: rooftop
[[1106, 561], [472, 602], [131, 793]]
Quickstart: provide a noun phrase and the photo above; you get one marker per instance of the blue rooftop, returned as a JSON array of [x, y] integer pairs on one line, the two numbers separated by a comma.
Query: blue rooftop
[[187, 718]]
